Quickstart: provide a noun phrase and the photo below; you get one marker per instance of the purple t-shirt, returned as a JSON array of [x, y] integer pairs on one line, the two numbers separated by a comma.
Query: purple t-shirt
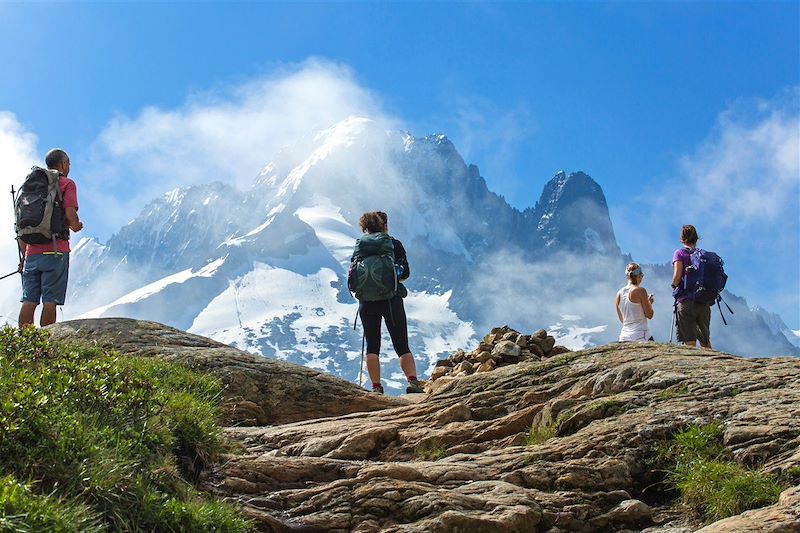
[[684, 256]]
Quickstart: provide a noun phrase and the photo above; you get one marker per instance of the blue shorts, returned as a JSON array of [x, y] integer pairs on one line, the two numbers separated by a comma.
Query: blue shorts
[[44, 278]]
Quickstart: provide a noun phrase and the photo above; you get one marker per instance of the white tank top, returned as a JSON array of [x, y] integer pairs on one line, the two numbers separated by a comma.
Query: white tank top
[[634, 323]]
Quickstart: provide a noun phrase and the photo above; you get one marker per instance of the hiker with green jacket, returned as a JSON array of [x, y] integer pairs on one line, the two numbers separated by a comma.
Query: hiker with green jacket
[[377, 268]]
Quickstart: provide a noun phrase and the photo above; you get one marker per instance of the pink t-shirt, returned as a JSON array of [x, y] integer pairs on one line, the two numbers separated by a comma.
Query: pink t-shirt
[[69, 193]]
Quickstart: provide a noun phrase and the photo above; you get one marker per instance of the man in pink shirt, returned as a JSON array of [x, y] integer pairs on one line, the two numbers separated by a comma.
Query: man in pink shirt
[[45, 270]]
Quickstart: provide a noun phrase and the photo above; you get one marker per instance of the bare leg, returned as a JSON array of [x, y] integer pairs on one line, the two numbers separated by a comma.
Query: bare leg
[[691, 343], [48, 314], [374, 367], [407, 364], [26, 313], [706, 345]]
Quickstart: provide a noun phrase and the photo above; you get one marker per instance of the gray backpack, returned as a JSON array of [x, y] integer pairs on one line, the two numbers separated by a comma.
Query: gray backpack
[[38, 210]]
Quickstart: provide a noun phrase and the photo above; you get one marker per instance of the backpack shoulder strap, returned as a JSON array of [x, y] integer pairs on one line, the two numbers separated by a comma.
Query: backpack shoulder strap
[[55, 178]]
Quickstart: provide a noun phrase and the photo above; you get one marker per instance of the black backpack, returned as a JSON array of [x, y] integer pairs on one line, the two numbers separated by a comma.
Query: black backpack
[[38, 208]]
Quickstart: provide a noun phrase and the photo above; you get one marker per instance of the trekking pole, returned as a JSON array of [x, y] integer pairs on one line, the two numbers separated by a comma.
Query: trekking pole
[[672, 324], [16, 241], [361, 367], [719, 299], [9, 274]]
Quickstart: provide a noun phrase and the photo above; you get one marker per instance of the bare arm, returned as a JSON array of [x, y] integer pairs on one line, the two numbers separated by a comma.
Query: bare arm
[[23, 247], [74, 223], [677, 273], [616, 304], [639, 295]]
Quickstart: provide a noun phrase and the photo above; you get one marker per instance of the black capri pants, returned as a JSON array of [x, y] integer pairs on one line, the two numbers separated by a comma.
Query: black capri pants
[[394, 313]]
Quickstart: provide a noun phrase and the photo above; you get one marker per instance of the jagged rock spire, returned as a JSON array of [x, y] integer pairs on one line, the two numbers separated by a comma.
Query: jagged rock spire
[[572, 214]]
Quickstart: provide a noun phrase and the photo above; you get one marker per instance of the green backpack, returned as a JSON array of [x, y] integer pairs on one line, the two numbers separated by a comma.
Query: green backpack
[[372, 275]]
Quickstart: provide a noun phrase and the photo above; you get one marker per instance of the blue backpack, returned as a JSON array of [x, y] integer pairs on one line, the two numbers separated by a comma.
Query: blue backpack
[[704, 279]]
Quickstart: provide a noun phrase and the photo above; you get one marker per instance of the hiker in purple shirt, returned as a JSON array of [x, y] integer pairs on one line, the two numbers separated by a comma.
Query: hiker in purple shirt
[[692, 319]]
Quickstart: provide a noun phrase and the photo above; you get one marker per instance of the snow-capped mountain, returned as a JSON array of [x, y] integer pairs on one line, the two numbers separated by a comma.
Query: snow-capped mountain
[[264, 269], [777, 326]]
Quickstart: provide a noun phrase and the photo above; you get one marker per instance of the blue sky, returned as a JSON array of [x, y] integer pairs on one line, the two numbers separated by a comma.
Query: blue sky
[[649, 98]]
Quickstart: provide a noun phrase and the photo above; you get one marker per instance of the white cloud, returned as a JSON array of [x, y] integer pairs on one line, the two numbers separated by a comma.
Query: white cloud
[[748, 172], [17, 154], [536, 295], [224, 135], [486, 132]]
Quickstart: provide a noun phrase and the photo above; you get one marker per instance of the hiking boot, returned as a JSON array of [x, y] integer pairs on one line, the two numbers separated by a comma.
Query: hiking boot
[[379, 390], [414, 387]]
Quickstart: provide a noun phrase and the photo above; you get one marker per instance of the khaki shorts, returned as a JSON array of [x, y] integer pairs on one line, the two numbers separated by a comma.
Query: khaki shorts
[[693, 322]]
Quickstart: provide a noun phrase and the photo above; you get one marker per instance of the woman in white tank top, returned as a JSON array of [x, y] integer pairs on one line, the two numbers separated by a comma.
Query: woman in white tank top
[[634, 307]]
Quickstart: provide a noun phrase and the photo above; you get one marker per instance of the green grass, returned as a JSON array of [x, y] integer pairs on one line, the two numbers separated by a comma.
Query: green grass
[[792, 475], [540, 434], [23, 511], [92, 441], [698, 466], [719, 489], [431, 450]]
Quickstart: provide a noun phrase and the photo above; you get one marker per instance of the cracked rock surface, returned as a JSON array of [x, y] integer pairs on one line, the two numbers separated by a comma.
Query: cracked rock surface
[[459, 461], [556, 445]]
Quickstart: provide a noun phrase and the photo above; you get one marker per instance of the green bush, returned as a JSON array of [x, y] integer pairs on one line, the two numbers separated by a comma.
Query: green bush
[[699, 468], [431, 450], [113, 437]]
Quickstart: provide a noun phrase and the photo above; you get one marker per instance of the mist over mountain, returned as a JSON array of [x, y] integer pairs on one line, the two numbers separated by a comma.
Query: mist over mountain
[[264, 269]]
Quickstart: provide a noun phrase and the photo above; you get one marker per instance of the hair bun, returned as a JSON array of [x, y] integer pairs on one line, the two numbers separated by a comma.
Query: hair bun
[[633, 269]]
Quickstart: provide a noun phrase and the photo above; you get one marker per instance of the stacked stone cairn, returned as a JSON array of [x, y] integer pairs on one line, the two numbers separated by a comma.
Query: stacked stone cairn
[[503, 346]]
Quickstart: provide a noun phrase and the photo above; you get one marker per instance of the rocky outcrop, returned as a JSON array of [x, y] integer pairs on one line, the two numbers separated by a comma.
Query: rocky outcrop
[[561, 444], [502, 346], [258, 391]]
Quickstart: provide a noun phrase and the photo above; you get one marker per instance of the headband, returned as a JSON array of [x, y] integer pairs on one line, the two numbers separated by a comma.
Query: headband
[[635, 272]]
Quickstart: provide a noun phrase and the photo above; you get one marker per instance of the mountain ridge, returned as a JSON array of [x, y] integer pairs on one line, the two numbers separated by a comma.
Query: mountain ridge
[[470, 253]]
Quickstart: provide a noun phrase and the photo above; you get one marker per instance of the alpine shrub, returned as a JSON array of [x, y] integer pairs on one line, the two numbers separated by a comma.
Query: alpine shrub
[[113, 441]]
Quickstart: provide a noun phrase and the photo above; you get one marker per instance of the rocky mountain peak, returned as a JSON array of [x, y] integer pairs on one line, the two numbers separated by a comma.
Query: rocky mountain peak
[[572, 214], [283, 247], [182, 227], [441, 141]]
